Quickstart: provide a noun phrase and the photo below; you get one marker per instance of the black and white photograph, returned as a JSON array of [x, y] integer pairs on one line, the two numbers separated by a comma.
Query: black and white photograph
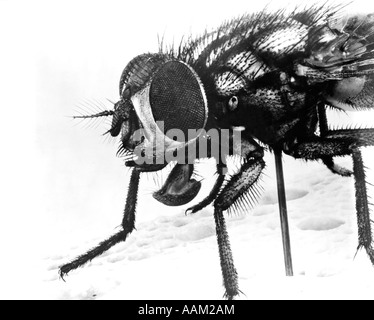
[[187, 150]]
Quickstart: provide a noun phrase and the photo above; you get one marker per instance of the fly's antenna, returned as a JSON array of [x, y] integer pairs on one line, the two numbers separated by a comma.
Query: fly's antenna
[[105, 113]]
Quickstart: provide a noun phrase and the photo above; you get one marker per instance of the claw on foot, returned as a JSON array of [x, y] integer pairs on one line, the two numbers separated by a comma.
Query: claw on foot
[[232, 295], [192, 210], [62, 275], [64, 271]]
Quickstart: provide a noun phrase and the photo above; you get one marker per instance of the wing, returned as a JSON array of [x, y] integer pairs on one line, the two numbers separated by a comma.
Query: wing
[[341, 55]]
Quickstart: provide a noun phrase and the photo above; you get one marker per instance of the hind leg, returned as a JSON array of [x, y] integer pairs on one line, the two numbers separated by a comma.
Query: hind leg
[[365, 238], [328, 161], [341, 143]]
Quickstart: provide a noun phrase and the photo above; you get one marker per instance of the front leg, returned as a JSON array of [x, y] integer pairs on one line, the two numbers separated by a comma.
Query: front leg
[[128, 225], [234, 190]]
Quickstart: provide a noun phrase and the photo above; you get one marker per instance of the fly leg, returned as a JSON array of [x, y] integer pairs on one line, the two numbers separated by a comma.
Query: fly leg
[[213, 193], [242, 147], [236, 187], [334, 143], [128, 225], [365, 238], [229, 273], [327, 160], [341, 143]]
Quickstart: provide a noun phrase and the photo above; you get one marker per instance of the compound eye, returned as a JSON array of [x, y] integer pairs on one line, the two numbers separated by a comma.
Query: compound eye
[[178, 99], [233, 103]]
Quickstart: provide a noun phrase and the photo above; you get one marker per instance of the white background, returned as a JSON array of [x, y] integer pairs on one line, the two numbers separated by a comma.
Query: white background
[[61, 181]]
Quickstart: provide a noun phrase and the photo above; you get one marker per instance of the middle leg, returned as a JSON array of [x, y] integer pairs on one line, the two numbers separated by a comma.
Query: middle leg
[[213, 193], [236, 188]]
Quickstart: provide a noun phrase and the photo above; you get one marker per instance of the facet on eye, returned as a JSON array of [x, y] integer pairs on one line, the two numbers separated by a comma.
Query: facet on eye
[[177, 98]]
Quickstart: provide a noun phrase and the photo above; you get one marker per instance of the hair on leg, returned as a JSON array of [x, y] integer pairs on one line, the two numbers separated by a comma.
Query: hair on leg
[[128, 226], [365, 238]]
